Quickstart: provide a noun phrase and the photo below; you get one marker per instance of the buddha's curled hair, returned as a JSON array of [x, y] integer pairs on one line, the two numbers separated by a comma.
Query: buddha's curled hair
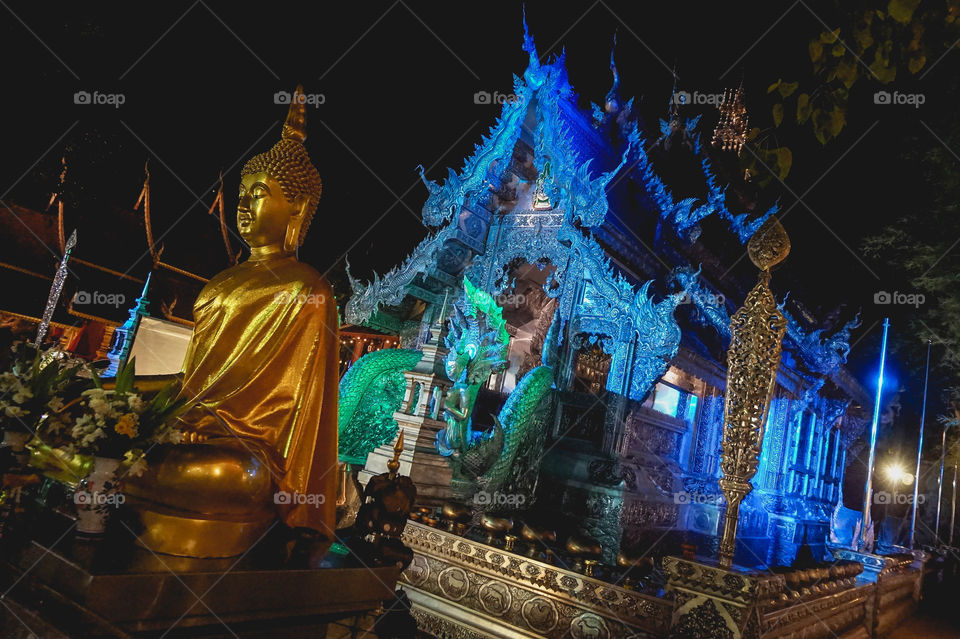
[[289, 164]]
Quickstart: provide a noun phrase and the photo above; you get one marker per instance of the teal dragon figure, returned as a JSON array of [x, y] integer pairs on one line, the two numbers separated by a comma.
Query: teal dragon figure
[[502, 459], [370, 393]]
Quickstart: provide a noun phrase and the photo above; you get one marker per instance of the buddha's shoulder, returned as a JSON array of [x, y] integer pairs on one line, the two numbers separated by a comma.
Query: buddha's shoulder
[[297, 275], [297, 271], [292, 273]]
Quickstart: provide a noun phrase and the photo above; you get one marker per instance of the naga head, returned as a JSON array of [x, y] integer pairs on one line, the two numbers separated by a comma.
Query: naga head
[[477, 339]]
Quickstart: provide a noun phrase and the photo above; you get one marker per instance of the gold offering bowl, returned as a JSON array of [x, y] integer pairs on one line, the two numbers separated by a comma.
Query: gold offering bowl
[[583, 546], [586, 550], [457, 515], [634, 566], [495, 526], [537, 538]]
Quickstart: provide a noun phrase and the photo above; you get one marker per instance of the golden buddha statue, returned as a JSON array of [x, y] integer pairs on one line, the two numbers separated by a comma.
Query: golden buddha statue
[[261, 373]]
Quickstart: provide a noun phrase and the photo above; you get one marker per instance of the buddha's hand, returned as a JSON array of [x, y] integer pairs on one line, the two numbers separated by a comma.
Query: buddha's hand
[[193, 437]]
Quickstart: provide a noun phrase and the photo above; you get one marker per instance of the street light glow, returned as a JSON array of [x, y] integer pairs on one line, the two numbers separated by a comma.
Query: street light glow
[[895, 473]]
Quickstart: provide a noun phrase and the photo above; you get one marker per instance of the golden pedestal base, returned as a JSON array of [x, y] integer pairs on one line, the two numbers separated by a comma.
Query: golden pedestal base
[[178, 533]]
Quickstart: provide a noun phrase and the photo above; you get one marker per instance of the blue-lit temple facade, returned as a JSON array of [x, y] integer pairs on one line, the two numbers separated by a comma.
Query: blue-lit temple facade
[[562, 215]]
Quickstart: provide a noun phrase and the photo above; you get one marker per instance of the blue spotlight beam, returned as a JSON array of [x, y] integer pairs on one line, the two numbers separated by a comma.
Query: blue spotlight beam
[[868, 486]]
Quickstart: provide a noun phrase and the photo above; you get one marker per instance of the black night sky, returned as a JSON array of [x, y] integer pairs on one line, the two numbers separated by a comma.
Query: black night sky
[[398, 80]]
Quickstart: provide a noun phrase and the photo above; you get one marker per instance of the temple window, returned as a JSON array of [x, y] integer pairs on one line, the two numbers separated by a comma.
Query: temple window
[[672, 399]]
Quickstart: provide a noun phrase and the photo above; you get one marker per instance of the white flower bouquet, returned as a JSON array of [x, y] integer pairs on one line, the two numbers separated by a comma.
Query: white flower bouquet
[[121, 424], [36, 388]]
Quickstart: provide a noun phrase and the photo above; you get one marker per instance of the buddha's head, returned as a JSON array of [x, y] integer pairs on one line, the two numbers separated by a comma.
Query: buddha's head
[[279, 189]]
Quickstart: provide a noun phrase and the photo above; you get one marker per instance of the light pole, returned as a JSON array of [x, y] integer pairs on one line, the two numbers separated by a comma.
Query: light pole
[[943, 457], [916, 474], [868, 485], [953, 510]]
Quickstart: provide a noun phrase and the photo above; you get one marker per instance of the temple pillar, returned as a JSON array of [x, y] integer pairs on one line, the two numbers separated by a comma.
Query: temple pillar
[[710, 601], [407, 397]]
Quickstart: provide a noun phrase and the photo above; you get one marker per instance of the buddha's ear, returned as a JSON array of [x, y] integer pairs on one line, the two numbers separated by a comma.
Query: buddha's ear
[[302, 202], [291, 239]]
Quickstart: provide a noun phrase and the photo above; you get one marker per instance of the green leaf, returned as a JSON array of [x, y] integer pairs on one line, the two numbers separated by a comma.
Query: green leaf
[[97, 382], [863, 38], [816, 50], [902, 10], [803, 108], [754, 132], [124, 382], [784, 161], [787, 88], [777, 114], [916, 62], [881, 69], [773, 87], [838, 119], [821, 123], [847, 72], [838, 50], [829, 37]]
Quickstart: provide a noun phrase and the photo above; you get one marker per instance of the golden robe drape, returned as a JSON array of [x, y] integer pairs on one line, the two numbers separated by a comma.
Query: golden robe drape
[[263, 367]]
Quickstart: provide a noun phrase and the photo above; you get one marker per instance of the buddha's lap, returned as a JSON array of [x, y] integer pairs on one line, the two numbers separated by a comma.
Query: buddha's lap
[[205, 478]]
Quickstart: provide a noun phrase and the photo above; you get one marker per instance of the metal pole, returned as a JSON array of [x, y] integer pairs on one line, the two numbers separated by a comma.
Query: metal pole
[[953, 510], [868, 485], [943, 455], [916, 474]]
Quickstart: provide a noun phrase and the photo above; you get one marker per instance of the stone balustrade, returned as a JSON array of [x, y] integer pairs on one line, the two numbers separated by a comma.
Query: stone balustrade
[[464, 588]]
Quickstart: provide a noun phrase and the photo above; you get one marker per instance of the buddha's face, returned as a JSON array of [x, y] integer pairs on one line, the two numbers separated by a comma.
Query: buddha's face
[[263, 212]]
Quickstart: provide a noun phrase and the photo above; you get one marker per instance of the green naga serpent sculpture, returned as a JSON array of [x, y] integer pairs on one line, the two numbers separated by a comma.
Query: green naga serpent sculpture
[[370, 393], [503, 459]]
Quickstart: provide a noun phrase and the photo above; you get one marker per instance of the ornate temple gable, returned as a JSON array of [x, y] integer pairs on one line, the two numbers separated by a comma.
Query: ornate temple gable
[[446, 199], [482, 170], [390, 289], [465, 195], [568, 181]]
